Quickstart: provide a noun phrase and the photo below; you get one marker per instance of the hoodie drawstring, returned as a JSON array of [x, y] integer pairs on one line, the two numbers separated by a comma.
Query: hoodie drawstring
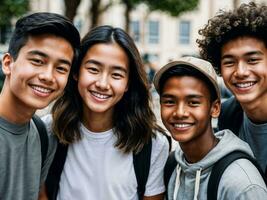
[[197, 183], [177, 182]]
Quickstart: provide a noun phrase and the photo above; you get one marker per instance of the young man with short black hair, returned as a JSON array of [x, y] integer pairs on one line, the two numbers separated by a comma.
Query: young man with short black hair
[[39, 60]]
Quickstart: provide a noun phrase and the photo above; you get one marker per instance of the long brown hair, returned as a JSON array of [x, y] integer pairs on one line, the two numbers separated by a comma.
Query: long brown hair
[[133, 119]]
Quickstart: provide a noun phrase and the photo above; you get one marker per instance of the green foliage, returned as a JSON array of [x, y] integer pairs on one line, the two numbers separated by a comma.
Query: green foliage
[[172, 7], [132, 3], [12, 8]]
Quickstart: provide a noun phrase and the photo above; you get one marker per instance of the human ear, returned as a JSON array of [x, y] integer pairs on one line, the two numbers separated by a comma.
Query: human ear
[[215, 108], [7, 63]]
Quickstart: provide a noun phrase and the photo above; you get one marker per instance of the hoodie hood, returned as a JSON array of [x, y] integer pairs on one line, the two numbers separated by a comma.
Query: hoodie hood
[[228, 142], [188, 176]]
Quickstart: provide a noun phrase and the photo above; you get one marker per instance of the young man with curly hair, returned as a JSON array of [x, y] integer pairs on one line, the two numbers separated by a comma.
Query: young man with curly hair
[[235, 43]]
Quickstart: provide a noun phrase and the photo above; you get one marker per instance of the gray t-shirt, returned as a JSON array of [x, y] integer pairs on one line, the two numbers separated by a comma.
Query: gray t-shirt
[[20, 161], [256, 136]]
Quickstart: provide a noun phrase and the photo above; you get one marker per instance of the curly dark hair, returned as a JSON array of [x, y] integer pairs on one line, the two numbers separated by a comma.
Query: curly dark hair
[[248, 20]]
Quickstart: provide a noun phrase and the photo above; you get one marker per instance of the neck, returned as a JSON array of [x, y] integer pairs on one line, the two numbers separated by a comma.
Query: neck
[[256, 111], [97, 123], [14, 112], [197, 150]]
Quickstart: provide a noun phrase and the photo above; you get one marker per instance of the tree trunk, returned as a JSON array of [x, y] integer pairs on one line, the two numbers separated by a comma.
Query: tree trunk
[[236, 3], [71, 8], [128, 9], [95, 12]]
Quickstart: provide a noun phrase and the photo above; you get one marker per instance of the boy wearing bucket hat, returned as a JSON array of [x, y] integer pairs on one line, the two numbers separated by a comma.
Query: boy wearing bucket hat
[[189, 99]]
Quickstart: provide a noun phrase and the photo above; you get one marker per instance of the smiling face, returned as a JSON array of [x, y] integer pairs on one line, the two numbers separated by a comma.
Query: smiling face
[[244, 69], [186, 109], [40, 72], [103, 78]]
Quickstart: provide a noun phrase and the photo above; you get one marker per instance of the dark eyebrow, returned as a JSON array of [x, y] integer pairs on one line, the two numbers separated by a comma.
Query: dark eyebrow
[[226, 56], [246, 54], [166, 95], [42, 54], [39, 53], [199, 96], [95, 62], [253, 53]]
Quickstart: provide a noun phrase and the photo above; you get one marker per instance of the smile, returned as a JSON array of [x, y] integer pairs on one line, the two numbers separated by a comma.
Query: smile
[[182, 125], [100, 96], [245, 85], [41, 89]]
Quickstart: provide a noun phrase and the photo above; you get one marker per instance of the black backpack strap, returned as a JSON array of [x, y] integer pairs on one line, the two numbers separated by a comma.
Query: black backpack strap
[[231, 116], [169, 138], [54, 173], [43, 136], [219, 168], [168, 170], [141, 163]]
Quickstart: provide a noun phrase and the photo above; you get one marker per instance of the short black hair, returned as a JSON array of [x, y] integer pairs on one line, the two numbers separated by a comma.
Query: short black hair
[[184, 70], [42, 23], [248, 20]]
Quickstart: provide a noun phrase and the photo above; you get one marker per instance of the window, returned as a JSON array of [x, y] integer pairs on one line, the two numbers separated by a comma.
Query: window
[[153, 32], [184, 32], [135, 30]]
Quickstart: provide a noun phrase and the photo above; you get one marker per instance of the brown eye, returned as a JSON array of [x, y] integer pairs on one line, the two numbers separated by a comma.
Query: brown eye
[[37, 62]]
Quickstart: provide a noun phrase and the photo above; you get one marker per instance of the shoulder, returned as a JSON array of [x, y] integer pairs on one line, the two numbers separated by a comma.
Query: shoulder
[[160, 141], [47, 119], [231, 115], [160, 147], [240, 176], [231, 103]]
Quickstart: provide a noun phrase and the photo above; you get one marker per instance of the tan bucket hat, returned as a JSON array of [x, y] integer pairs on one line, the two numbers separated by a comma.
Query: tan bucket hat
[[201, 65]]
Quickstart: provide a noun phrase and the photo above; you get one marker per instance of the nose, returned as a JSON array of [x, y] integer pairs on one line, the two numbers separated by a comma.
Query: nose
[[103, 82], [47, 75], [242, 70], [181, 111]]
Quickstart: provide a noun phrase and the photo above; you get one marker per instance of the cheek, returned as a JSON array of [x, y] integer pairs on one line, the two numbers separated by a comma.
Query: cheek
[[84, 81], [165, 113], [226, 72], [202, 116], [121, 87], [62, 81]]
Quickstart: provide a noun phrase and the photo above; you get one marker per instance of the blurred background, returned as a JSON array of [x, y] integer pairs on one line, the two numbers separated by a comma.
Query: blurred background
[[162, 29]]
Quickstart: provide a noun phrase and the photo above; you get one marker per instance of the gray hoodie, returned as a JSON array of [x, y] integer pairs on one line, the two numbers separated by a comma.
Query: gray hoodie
[[241, 180]]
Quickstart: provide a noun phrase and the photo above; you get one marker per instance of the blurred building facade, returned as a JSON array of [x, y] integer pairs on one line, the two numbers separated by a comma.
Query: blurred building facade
[[157, 34]]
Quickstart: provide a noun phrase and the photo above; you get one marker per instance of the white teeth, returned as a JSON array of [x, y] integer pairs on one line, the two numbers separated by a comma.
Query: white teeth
[[41, 89], [244, 85], [101, 96], [181, 125]]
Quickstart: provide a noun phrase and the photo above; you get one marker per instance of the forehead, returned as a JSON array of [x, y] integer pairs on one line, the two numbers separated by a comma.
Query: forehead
[[243, 44], [50, 45], [185, 85], [107, 55], [106, 49]]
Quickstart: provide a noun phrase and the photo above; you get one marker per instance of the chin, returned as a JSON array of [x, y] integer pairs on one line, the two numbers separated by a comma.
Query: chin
[[245, 98]]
